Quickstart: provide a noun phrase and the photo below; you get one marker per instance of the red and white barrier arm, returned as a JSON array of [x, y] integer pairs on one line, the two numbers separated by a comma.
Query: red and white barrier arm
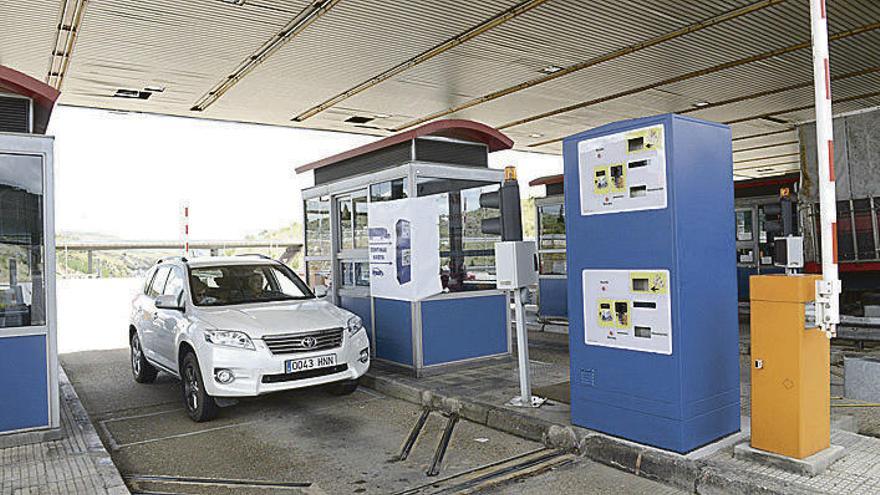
[[828, 289]]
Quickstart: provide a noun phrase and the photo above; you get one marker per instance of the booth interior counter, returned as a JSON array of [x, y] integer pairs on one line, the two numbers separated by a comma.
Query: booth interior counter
[[550, 223], [29, 394], [393, 230]]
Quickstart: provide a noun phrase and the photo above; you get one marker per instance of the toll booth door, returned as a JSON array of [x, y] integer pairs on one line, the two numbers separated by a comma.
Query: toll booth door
[[28, 366]]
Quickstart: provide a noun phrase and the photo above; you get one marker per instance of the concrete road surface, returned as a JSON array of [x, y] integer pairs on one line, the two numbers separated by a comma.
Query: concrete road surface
[[305, 441]]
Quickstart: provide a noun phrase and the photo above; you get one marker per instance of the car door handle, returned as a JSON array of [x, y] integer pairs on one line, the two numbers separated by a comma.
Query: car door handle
[[155, 316]]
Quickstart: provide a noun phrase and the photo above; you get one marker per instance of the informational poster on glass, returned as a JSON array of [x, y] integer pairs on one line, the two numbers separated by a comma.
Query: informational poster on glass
[[403, 239]]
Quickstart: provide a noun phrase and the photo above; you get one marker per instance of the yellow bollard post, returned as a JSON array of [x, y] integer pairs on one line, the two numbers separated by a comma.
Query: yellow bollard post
[[791, 410]]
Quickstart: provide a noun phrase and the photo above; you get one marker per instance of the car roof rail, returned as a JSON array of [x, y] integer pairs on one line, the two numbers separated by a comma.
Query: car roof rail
[[182, 259], [258, 255]]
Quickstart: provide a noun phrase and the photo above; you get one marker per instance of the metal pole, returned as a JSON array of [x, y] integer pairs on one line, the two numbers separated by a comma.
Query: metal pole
[[522, 341], [827, 290]]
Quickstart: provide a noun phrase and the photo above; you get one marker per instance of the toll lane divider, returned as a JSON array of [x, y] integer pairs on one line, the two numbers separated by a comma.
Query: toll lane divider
[[692, 472]]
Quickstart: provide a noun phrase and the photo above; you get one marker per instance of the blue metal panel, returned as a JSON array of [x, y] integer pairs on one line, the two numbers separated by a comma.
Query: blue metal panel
[[691, 397], [24, 395], [553, 297], [394, 331], [359, 306], [463, 328]]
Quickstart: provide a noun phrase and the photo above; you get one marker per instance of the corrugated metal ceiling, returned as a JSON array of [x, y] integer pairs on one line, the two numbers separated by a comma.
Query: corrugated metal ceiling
[[188, 47]]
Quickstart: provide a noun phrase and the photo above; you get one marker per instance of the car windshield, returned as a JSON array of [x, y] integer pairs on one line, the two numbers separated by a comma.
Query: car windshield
[[242, 284]]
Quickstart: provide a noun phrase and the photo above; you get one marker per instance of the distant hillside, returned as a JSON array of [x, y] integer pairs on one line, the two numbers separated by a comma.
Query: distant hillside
[[132, 263]]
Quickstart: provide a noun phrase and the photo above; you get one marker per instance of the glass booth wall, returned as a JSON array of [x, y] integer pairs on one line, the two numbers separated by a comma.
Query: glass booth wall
[[22, 255], [551, 238], [467, 255], [318, 235]]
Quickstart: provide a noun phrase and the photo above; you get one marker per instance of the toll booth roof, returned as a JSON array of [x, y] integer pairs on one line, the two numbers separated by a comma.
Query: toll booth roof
[[453, 141], [555, 184], [43, 95]]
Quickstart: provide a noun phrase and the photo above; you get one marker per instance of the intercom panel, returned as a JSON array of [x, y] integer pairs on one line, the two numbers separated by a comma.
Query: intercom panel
[[628, 309], [623, 172]]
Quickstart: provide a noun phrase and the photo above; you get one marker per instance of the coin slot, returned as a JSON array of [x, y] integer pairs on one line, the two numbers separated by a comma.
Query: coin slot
[[638, 191], [642, 332], [638, 164], [645, 305]]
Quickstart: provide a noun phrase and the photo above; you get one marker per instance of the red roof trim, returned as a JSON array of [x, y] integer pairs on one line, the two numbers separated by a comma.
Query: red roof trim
[[548, 180], [466, 130], [22, 84], [782, 180]]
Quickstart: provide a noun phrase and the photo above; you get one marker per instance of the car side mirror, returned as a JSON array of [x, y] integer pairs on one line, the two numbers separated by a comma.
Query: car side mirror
[[169, 302], [320, 291]]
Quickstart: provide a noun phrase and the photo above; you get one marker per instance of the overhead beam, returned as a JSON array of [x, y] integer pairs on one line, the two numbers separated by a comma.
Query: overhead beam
[[768, 157], [69, 22], [692, 75], [443, 47], [691, 28], [763, 134], [765, 165], [765, 146], [297, 25], [769, 92], [771, 115]]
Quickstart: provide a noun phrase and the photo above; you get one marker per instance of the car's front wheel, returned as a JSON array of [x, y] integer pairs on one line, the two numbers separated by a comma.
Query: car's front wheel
[[141, 369], [199, 405]]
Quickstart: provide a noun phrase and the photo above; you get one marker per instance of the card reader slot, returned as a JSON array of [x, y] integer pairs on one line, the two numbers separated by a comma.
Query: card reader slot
[[637, 164], [640, 285], [635, 144], [638, 191], [642, 331], [644, 304]]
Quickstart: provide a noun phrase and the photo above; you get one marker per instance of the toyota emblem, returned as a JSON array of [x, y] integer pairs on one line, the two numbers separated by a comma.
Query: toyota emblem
[[309, 342]]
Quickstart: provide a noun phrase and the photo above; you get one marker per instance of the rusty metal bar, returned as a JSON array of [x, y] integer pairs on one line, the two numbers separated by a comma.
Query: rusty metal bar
[[691, 28], [691, 75], [765, 146], [298, 24], [443, 47]]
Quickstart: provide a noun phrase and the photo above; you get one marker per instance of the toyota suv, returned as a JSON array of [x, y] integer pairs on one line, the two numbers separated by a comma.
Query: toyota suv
[[240, 327]]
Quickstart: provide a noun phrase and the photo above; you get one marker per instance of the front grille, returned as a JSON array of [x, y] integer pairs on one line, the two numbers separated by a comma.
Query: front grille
[[330, 338], [302, 375]]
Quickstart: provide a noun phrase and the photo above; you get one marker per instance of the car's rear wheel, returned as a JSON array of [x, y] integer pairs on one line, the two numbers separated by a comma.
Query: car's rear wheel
[[199, 405], [345, 387], [141, 369]]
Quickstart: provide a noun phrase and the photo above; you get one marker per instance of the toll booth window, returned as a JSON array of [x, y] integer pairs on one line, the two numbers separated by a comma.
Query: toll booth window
[[318, 227], [551, 225], [318, 273], [467, 256], [22, 255], [389, 191], [353, 221], [552, 263], [745, 231], [355, 274]]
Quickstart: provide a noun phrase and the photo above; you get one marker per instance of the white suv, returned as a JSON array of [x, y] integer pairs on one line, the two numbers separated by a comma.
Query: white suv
[[240, 327]]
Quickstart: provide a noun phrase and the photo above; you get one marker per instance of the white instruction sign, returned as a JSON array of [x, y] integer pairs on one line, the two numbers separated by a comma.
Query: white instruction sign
[[623, 172], [628, 309], [404, 248]]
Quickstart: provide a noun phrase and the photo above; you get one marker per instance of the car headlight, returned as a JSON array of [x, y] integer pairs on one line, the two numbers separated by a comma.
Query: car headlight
[[229, 338], [354, 324]]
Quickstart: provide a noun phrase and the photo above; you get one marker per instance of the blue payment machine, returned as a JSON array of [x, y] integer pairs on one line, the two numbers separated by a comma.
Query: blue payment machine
[[652, 281]]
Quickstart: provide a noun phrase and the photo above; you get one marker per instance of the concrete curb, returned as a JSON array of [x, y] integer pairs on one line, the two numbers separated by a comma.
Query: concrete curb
[[98, 454], [691, 475]]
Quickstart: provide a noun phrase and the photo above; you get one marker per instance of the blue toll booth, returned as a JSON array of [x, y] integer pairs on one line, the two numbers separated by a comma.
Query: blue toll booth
[[550, 226], [29, 407], [467, 320], [652, 281]]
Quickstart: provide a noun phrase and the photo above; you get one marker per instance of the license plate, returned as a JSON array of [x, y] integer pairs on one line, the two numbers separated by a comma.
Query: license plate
[[310, 363]]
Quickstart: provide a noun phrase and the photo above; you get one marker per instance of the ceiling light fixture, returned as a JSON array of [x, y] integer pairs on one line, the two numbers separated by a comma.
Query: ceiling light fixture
[[132, 94], [550, 69], [233, 2], [536, 135], [701, 104]]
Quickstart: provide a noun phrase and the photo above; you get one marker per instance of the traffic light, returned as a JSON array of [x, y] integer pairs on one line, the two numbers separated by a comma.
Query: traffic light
[[779, 218], [506, 200]]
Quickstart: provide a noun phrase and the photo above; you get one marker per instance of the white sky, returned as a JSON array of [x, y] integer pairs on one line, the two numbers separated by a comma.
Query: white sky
[[127, 175]]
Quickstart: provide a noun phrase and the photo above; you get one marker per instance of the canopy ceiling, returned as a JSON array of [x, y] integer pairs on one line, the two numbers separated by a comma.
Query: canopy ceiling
[[538, 69]]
